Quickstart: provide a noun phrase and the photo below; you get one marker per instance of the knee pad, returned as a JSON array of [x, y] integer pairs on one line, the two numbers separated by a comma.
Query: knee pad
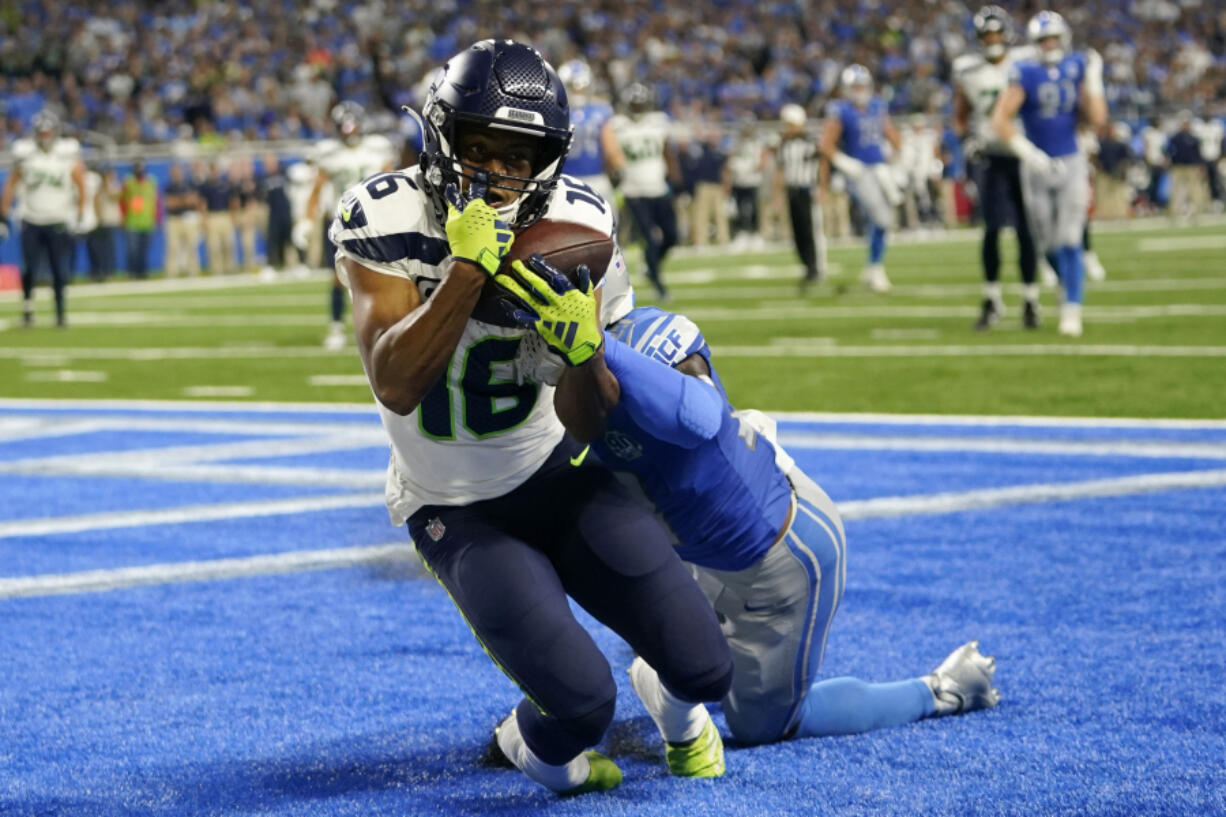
[[708, 687]]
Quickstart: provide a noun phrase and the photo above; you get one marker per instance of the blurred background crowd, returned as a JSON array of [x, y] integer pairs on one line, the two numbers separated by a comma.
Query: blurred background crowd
[[210, 86]]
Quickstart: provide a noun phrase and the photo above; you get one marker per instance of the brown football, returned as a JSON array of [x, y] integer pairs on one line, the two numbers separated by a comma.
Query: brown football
[[564, 244]]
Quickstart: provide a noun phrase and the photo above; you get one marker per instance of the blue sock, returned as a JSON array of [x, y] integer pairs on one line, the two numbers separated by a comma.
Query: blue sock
[[1072, 273], [338, 303], [876, 245], [848, 706]]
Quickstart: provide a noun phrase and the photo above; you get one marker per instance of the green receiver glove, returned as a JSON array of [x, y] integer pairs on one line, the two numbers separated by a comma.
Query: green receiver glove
[[565, 317], [474, 231]]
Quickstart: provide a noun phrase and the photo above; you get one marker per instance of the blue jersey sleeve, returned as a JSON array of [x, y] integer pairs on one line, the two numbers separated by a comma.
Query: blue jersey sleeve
[[667, 404]]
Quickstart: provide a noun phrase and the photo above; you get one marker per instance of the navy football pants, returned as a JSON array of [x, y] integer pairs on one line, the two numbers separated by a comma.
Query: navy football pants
[[509, 563]]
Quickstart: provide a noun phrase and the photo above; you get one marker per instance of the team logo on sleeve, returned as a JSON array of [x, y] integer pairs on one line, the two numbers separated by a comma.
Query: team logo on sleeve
[[622, 446]]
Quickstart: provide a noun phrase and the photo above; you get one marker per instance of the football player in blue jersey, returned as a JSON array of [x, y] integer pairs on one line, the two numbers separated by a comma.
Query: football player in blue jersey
[[857, 127], [594, 148], [503, 507], [765, 542], [1052, 94]]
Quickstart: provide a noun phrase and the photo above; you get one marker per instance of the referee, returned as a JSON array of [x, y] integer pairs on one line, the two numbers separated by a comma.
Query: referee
[[798, 162]]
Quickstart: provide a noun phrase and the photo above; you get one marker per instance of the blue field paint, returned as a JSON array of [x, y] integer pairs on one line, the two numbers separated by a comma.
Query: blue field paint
[[1101, 432], [361, 691], [372, 458], [45, 497], [118, 441]]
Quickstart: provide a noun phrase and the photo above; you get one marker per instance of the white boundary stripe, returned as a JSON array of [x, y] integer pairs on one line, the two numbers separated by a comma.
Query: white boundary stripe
[[93, 581], [99, 580], [206, 406], [1029, 494], [987, 445], [965, 350], [190, 513], [991, 420]]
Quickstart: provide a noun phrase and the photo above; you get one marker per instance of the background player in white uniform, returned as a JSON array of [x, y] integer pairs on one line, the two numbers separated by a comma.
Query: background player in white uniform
[[1052, 95], [342, 163], [504, 508], [48, 178], [980, 79], [648, 163], [594, 148]]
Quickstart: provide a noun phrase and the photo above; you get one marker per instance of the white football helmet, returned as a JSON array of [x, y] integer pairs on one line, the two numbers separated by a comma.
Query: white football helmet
[[1044, 26], [792, 114], [576, 75], [857, 84]]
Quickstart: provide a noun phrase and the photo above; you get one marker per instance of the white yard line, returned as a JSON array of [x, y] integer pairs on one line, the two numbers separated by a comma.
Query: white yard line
[[95, 581], [191, 513], [1029, 494], [992, 420], [883, 507], [775, 313], [966, 350], [988, 445], [1182, 242]]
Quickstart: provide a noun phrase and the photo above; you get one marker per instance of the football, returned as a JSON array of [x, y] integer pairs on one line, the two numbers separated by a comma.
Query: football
[[564, 244]]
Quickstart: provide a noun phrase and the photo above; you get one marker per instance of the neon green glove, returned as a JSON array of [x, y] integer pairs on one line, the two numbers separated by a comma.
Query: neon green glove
[[565, 317], [474, 231]]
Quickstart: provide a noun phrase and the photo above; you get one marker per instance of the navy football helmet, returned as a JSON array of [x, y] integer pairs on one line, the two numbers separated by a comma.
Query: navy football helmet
[[502, 85], [993, 19]]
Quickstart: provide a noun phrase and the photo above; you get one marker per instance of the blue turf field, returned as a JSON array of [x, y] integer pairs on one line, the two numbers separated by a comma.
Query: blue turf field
[[1097, 582]]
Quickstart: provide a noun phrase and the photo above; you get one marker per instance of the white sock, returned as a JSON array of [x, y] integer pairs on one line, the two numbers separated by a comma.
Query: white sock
[[992, 292], [678, 721], [558, 778], [1031, 292]]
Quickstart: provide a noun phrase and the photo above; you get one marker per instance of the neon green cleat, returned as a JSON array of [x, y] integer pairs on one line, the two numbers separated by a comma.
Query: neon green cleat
[[701, 757], [602, 776]]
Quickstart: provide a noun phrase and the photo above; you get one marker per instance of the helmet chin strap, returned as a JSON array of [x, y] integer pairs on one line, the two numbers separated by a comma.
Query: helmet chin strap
[[994, 51], [1053, 55]]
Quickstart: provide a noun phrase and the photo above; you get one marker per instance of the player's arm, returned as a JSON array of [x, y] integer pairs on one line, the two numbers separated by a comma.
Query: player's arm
[[1093, 95], [587, 393], [78, 181], [406, 342], [828, 147], [891, 134], [962, 113], [614, 158], [10, 186], [1003, 115], [312, 205]]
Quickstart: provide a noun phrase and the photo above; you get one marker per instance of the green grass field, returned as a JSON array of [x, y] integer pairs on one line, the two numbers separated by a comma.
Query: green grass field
[[1154, 345]]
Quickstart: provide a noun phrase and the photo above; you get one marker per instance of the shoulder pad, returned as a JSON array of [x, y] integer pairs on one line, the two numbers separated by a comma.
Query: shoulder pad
[[390, 228], [574, 201], [967, 62], [665, 336]]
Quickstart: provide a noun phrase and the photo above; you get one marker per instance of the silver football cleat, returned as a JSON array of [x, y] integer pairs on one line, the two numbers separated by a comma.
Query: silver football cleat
[[963, 682]]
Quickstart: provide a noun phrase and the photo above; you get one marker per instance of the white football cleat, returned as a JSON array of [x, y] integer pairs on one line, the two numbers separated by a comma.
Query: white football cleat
[[1070, 320], [335, 340], [1047, 275], [1094, 268], [963, 682], [874, 275]]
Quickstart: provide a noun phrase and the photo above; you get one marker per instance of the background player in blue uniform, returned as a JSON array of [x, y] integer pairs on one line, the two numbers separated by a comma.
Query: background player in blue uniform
[[765, 542], [856, 128], [593, 148], [1051, 94]]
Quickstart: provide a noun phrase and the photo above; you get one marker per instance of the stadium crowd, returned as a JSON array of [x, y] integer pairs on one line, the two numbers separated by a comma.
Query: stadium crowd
[[268, 69]]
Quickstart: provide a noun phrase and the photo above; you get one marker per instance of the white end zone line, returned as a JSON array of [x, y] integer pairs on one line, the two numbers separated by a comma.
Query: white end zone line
[[882, 507], [95, 581], [190, 513]]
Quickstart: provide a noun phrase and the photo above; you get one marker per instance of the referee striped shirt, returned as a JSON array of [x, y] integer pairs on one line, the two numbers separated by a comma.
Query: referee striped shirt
[[798, 160]]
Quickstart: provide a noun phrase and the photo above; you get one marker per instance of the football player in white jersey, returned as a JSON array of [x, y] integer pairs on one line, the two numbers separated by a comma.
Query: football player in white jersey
[[647, 164], [505, 509], [48, 178], [341, 163], [595, 148], [979, 79]]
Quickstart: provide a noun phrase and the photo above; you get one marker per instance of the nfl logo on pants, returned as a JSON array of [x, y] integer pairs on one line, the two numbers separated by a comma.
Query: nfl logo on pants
[[435, 529]]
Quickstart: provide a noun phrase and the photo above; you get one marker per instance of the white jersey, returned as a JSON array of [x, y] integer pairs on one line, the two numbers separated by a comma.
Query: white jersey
[[745, 164], [982, 82], [486, 426], [345, 165], [46, 191], [643, 140], [89, 217]]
